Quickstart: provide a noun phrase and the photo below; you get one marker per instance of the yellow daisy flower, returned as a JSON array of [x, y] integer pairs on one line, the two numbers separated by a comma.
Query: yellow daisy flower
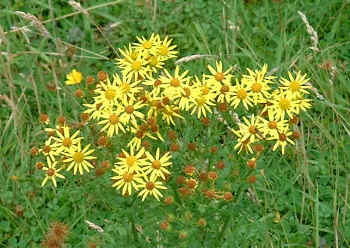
[[173, 84], [282, 139], [51, 173], [155, 84], [282, 104], [112, 123], [165, 50], [156, 166], [147, 46], [127, 87], [133, 161], [107, 93], [202, 104], [271, 126], [250, 129], [258, 84], [130, 111], [64, 142], [79, 159], [126, 180], [151, 187], [296, 86], [241, 94], [75, 77], [49, 149], [135, 68], [219, 76]]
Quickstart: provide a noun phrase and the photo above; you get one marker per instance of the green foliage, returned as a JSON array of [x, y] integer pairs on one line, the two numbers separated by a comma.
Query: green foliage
[[308, 188]]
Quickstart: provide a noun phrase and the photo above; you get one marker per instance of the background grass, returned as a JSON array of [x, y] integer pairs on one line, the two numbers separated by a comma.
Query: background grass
[[309, 187]]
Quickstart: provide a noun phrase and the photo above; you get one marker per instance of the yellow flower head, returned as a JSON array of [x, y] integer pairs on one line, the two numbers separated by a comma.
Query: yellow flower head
[[75, 77]]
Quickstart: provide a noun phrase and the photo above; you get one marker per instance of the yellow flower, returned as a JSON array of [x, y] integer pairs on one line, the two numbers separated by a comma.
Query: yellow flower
[[156, 166], [241, 94], [65, 142], [151, 187], [126, 180], [133, 161], [107, 93], [112, 123], [282, 138], [49, 149], [258, 84], [202, 104], [75, 77], [134, 68], [51, 172], [130, 111], [283, 104], [126, 86], [172, 85], [145, 46], [218, 75], [79, 159], [296, 86], [250, 129], [165, 50], [271, 126]]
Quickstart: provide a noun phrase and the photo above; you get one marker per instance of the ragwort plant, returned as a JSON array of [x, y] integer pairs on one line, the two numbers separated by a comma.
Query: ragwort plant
[[186, 140]]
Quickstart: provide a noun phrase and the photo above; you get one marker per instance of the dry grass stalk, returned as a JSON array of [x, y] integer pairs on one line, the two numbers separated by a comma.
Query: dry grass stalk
[[94, 226], [78, 7], [194, 57], [311, 32], [35, 22]]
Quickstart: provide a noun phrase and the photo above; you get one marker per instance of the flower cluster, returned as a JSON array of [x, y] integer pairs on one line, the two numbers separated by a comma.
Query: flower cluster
[[140, 101]]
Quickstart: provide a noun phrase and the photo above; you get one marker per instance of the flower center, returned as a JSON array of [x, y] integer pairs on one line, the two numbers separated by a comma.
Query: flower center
[[130, 161], [125, 87], [283, 137], [200, 100], [113, 119], [156, 164], [224, 89], [241, 94], [219, 76], [163, 50], [110, 94], [129, 109], [150, 185], [46, 149], [294, 86], [50, 172], [252, 129], [78, 157], [67, 142], [205, 90], [147, 44], [127, 177], [272, 125], [157, 83], [175, 82], [136, 65], [256, 87], [284, 103]]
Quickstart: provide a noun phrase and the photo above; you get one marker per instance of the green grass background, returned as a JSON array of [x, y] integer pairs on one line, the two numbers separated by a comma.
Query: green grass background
[[309, 187]]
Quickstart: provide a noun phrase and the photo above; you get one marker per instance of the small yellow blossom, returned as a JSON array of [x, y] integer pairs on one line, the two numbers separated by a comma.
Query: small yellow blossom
[[75, 77]]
